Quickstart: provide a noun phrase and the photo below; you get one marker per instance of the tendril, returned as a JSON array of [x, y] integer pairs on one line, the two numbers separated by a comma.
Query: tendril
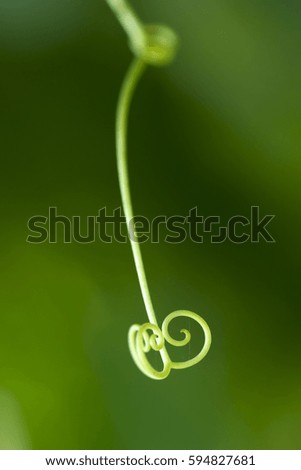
[[141, 342], [152, 45]]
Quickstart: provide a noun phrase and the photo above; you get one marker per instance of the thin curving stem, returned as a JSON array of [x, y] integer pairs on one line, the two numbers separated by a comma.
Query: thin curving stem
[[127, 90]]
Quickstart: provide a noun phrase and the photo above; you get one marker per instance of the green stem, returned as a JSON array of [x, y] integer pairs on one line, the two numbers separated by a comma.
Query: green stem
[[127, 90], [129, 21]]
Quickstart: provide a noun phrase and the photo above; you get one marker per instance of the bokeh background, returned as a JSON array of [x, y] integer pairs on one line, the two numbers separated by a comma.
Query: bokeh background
[[218, 129]]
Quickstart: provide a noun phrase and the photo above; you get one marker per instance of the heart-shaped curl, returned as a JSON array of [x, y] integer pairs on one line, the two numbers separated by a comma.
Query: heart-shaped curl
[[147, 337]]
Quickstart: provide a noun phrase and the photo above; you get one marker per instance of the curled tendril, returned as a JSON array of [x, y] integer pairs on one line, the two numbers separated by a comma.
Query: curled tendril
[[141, 342], [151, 45]]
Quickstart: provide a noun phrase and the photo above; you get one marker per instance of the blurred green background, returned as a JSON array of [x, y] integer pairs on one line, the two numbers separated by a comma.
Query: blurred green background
[[218, 129]]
